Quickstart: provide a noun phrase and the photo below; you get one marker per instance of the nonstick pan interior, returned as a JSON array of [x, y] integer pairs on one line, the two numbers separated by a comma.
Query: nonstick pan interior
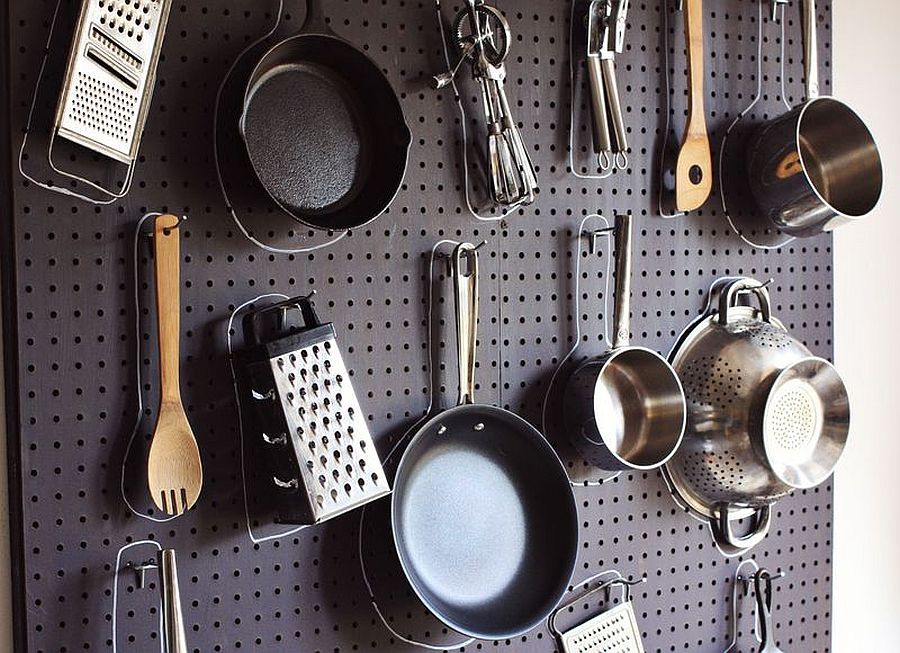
[[485, 522], [325, 132]]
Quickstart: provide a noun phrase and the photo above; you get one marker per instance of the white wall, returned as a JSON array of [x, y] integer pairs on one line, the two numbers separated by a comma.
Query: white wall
[[867, 315]]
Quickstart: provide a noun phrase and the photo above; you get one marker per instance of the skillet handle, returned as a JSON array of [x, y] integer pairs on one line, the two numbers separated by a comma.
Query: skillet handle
[[731, 544], [315, 22], [465, 285]]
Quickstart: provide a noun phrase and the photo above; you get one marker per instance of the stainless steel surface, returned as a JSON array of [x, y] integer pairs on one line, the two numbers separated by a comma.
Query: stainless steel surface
[[465, 276], [173, 619], [757, 401], [626, 409], [110, 75], [615, 630], [607, 21], [483, 516], [313, 431], [340, 469], [483, 35], [816, 167]]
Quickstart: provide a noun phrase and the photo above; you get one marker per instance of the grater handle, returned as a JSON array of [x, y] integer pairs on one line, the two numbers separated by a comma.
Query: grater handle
[[465, 281]]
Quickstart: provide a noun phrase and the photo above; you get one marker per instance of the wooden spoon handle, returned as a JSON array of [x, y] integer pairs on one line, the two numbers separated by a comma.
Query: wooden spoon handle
[[693, 174], [168, 304]]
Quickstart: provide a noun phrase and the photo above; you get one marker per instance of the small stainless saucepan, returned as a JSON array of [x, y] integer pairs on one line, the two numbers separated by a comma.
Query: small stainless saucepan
[[625, 410], [817, 167]]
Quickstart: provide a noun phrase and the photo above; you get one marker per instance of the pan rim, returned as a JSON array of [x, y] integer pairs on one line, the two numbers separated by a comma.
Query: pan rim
[[572, 506], [608, 358], [306, 218], [803, 110]]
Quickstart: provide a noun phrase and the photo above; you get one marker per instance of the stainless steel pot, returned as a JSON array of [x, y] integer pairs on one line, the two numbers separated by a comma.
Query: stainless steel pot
[[765, 417], [626, 409], [816, 167]]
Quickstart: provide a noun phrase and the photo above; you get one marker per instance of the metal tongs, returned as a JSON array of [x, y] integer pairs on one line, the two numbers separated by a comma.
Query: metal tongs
[[483, 37], [607, 21]]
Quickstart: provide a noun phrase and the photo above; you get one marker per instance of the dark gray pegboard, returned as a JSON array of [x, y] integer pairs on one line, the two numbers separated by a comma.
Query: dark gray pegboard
[[75, 339]]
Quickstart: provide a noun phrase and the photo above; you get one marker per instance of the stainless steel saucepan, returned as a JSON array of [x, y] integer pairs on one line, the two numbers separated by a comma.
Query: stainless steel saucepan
[[626, 409], [765, 417], [817, 167]]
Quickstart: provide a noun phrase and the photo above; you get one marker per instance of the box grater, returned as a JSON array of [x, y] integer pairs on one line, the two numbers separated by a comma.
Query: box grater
[[110, 75], [320, 456], [613, 631]]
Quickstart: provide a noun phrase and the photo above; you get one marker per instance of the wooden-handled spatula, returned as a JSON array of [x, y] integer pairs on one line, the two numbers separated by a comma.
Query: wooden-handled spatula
[[174, 470], [693, 173]]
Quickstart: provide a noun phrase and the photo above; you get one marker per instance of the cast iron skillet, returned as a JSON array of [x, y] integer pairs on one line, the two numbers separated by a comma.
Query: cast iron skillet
[[324, 130], [483, 514]]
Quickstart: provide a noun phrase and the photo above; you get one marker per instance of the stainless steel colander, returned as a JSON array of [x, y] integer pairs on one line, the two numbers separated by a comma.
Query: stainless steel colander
[[765, 417]]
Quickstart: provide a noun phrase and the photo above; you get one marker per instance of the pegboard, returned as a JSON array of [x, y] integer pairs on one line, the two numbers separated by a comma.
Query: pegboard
[[71, 333]]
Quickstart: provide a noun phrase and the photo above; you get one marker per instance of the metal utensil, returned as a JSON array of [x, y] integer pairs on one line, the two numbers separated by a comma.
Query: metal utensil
[[483, 36], [765, 417], [693, 171], [174, 469], [763, 582], [110, 75], [483, 514], [613, 631], [323, 128], [310, 426], [626, 409], [607, 21], [173, 618], [816, 167]]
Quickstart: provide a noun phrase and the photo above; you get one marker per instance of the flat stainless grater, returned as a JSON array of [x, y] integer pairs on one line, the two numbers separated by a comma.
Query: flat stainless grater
[[321, 458], [613, 631], [110, 75]]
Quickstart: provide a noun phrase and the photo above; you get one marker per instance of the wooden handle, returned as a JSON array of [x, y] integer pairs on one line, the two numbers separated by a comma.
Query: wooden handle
[[168, 304], [693, 174]]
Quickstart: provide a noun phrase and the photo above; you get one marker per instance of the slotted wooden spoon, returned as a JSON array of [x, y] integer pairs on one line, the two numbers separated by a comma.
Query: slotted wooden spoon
[[693, 172], [174, 470]]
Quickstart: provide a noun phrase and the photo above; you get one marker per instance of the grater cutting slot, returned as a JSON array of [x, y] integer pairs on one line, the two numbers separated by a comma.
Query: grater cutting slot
[[115, 49], [102, 60]]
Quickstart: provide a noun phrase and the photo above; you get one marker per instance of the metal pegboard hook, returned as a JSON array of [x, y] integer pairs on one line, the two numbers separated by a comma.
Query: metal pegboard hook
[[595, 234], [778, 8], [140, 571]]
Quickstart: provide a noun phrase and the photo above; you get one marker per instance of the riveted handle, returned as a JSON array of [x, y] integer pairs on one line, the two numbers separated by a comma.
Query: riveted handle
[[622, 336], [811, 48], [465, 283], [729, 296]]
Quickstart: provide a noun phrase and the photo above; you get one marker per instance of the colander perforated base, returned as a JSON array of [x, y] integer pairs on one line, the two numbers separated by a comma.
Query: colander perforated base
[[793, 423]]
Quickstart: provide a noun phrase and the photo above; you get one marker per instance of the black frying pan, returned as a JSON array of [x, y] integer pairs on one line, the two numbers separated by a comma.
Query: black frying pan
[[483, 514], [324, 130]]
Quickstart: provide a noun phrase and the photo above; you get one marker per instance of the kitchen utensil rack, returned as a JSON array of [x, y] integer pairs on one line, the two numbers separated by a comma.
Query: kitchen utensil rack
[[70, 360]]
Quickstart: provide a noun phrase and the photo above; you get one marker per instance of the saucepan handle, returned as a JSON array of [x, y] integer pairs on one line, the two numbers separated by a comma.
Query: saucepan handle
[[730, 293], [465, 283], [731, 544], [811, 45], [622, 336]]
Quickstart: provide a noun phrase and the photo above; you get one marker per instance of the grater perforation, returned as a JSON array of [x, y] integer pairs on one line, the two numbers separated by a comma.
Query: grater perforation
[[110, 75], [613, 631], [325, 444]]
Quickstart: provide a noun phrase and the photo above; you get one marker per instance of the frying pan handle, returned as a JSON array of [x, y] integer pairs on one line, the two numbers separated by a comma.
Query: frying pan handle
[[622, 324], [811, 46], [465, 284], [731, 544], [729, 295]]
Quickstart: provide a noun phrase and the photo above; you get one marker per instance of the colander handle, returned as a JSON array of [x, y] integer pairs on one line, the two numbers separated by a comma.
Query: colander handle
[[729, 298], [731, 544]]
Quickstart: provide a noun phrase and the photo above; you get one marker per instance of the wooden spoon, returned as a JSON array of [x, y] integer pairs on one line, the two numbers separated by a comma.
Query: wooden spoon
[[174, 470], [693, 173]]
